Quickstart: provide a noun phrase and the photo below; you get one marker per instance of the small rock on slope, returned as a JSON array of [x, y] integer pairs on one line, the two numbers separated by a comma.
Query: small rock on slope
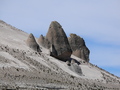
[[31, 42]]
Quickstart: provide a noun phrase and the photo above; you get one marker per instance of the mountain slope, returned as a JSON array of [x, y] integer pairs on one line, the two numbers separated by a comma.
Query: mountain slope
[[23, 68]]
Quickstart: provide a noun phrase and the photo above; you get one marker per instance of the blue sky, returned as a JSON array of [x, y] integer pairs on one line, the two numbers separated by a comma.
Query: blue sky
[[97, 21]]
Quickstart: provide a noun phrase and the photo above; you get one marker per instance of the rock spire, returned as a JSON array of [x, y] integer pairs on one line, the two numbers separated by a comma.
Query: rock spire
[[57, 38], [31, 42], [78, 47], [57, 41]]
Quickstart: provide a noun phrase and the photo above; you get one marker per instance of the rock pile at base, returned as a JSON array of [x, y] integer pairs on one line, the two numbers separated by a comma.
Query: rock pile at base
[[74, 66], [78, 47], [31, 42]]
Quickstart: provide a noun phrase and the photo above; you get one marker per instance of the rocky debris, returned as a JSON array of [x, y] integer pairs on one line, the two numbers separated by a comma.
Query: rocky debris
[[57, 38], [72, 61], [78, 47], [68, 63], [76, 68], [31, 42]]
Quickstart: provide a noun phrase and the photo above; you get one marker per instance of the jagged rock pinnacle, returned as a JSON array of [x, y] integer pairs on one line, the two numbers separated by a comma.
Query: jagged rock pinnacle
[[57, 37], [41, 40], [78, 47], [31, 42]]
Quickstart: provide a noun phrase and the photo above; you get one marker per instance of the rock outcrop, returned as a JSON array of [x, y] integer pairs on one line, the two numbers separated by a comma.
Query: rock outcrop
[[41, 40], [78, 47], [62, 47], [31, 42], [74, 66], [44, 42], [57, 38]]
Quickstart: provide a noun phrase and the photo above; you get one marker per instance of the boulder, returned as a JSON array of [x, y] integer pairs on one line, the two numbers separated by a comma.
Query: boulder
[[78, 47], [73, 61], [68, 63], [31, 42], [76, 68], [57, 37]]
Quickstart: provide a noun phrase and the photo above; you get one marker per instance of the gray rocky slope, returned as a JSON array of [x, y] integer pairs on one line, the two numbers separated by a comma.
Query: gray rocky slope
[[22, 68]]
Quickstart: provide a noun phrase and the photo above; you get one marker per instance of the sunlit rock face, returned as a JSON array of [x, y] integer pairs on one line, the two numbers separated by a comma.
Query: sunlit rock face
[[78, 47]]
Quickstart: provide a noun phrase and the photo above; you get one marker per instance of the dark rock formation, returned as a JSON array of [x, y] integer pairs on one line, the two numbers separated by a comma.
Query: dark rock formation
[[57, 37], [73, 61], [78, 47], [76, 68], [31, 42], [61, 48]]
